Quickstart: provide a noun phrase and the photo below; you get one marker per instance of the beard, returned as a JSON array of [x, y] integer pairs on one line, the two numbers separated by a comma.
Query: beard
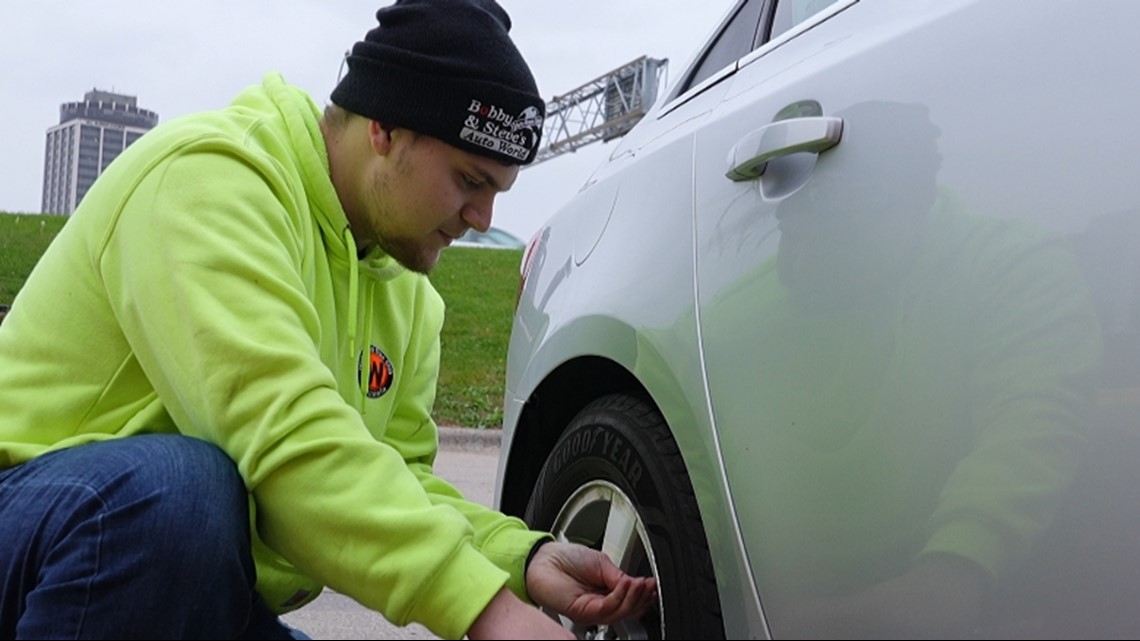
[[418, 254], [413, 256]]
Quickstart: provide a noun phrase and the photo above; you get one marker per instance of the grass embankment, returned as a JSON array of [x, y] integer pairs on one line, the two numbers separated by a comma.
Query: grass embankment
[[478, 286], [23, 238]]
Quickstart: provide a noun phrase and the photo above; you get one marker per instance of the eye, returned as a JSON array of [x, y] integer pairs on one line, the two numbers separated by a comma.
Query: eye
[[471, 182]]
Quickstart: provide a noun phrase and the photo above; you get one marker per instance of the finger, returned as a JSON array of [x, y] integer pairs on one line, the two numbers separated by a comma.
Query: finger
[[640, 594], [608, 608], [631, 599], [648, 598]]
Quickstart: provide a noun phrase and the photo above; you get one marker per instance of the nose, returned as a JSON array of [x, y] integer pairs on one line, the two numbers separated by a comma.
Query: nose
[[478, 214]]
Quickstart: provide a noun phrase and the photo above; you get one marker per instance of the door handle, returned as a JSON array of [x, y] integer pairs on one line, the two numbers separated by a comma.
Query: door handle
[[749, 157]]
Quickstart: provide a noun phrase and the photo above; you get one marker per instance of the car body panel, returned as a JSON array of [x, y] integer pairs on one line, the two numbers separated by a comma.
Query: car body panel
[[984, 148]]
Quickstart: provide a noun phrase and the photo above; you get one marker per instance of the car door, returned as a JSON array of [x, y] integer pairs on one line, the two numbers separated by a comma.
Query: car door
[[622, 286], [898, 335]]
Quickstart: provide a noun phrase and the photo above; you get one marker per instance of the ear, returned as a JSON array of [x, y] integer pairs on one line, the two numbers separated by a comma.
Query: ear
[[380, 136]]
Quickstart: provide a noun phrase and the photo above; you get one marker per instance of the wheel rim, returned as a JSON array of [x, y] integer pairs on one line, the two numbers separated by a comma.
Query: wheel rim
[[601, 516]]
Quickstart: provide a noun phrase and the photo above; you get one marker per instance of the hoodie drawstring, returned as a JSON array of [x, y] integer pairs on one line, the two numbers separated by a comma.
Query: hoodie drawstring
[[353, 283], [367, 346]]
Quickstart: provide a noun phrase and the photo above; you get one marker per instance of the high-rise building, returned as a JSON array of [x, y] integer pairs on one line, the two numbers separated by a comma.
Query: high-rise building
[[90, 134]]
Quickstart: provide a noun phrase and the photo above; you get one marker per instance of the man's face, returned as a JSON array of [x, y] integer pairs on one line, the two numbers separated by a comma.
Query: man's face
[[426, 195]]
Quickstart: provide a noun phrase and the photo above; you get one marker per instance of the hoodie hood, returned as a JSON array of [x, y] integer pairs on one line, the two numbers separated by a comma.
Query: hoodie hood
[[299, 117]]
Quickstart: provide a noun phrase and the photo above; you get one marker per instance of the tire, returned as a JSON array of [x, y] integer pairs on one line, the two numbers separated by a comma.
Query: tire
[[618, 459]]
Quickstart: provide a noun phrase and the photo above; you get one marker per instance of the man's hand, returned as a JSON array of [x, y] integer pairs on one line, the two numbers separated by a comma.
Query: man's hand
[[584, 585]]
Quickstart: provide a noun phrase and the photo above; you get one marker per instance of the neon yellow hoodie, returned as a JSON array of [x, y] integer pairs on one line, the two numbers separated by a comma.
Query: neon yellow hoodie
[[208, 285]]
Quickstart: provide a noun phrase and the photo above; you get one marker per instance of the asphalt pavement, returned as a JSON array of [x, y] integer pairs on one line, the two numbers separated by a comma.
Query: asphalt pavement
[[468, 459]]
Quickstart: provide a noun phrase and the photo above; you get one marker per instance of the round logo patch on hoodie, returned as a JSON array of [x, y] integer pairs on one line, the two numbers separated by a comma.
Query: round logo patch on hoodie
[[380, 373]]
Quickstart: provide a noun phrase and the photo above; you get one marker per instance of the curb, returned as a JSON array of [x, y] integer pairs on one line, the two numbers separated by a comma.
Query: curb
[[469, 438]]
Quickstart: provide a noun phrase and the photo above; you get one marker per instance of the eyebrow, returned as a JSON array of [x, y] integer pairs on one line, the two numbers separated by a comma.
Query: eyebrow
[[487, 178]]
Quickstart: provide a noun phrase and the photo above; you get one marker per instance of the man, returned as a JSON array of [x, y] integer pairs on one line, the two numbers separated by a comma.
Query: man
[[231, 345]]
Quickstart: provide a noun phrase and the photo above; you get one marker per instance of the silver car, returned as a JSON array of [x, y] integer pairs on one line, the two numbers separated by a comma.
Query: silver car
[[843, 339]]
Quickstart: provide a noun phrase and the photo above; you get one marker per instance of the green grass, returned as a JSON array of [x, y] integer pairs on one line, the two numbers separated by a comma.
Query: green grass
[[23, 238], [478, 286]]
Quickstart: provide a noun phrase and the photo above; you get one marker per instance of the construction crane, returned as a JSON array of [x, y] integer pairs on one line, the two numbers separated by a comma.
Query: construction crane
[[602, 109]]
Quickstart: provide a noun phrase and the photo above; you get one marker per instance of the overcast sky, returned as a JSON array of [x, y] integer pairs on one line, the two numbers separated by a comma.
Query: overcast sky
[[180, 57]]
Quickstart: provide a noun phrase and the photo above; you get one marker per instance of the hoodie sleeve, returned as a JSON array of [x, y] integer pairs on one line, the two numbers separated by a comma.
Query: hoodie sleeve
[[505, 541], [208, 286]]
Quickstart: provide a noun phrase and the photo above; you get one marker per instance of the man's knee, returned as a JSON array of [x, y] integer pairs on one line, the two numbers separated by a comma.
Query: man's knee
[[145, 520], [187, 485]]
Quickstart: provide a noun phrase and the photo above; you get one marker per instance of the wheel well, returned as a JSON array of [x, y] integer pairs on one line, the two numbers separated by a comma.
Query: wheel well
[[547, 413]]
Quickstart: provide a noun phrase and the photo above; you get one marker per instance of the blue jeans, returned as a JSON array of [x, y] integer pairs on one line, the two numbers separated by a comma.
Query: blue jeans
[[145, 537]]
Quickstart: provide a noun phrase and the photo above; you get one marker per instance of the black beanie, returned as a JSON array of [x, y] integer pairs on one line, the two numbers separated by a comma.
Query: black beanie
[[448, 69]]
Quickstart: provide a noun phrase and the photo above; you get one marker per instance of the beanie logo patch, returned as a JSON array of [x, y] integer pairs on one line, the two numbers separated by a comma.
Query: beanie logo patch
[[494, 129], [529, 119]]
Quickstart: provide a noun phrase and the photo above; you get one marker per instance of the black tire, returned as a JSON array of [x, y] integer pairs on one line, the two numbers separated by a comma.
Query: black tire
[[618, 454]]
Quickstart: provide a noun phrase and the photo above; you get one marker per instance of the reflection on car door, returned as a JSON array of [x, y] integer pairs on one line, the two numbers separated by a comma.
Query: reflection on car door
[[919, 373]]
